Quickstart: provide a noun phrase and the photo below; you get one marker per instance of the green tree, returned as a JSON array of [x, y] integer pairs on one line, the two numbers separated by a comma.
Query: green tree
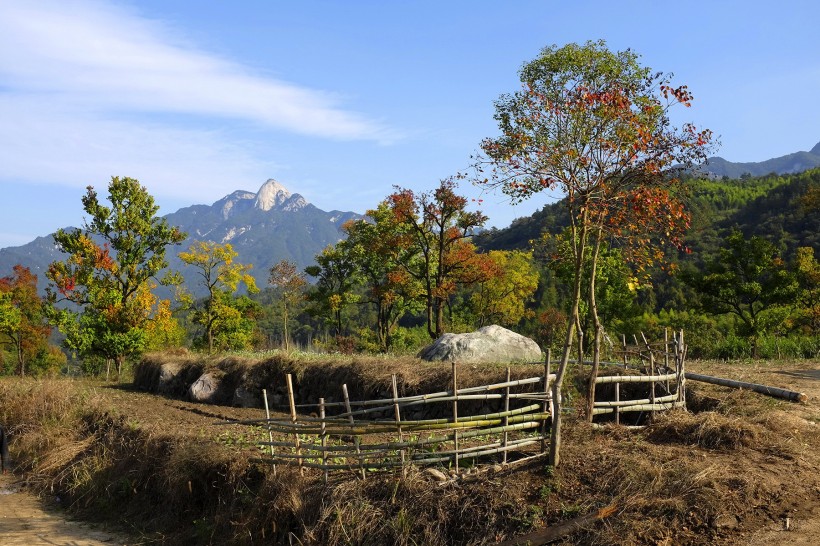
[[442, 257], [291, 283], [749, 280], [336, 276], [220, 276], [502, 296], [594, 125], [110, 281]]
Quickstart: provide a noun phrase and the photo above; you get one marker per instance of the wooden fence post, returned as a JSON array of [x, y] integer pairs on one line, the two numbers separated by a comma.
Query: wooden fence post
[[292, 403], [548, 401], [398, 423], [506, 417], [355, 437], [323, 435], [455, 414], [270, 434]]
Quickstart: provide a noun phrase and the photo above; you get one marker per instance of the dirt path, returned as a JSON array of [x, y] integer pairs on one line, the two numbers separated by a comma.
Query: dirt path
[[27, 520]]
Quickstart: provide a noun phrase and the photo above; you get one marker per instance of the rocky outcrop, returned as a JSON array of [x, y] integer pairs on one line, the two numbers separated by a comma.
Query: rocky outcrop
[[489, 344]]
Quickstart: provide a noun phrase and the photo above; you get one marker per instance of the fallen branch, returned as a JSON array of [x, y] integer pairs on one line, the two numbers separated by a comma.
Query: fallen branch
[[762, 389], [550, 534]]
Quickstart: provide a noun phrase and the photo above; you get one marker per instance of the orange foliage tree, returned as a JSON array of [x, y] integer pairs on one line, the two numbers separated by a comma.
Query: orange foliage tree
[[21, 315], [593, 125], [437, 230]]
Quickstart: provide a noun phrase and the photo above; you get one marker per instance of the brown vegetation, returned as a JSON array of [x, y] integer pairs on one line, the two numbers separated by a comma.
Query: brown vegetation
[[165, 468]]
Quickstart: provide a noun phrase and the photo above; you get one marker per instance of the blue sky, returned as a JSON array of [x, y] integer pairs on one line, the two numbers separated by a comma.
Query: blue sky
[[341, 100]]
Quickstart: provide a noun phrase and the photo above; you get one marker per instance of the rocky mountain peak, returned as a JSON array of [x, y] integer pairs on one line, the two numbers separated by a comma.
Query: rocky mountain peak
[[271, 194]]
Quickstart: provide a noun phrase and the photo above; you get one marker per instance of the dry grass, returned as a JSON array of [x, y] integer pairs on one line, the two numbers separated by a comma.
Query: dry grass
[[163, 467]]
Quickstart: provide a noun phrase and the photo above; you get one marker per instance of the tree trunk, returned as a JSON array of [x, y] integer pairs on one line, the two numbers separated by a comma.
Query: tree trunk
[[596, 323], [285, 329], [20, 361], [579, 245]]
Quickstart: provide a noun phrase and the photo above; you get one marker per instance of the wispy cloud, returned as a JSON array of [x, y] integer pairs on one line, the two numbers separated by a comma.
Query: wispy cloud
[[99, 57]]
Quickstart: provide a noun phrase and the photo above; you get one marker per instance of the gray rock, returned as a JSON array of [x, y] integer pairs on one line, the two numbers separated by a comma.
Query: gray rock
[[204, 389], [245, 398], [489, 344], [166, 383]]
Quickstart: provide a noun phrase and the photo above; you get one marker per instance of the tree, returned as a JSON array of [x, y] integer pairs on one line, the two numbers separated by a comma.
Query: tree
[[438, 232], [374, 245], [807, 271], [336, 277], [747, 279], [22, 315], [220, 275], [502, 296], [594, 125], [291, 284], [108, 272]]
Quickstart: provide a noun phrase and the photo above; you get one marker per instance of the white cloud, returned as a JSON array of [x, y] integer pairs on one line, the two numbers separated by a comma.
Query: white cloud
[[47, 144], [92, 55]]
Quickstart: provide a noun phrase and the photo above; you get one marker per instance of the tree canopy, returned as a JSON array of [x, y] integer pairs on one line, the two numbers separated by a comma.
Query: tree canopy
[[109, 271]]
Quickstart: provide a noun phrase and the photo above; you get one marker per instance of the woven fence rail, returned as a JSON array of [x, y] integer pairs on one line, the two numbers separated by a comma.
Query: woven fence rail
[[371, 435], [660, 366]]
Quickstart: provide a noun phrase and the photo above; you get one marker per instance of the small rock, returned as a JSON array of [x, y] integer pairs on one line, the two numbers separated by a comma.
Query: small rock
[[436, 474], [725, 521]]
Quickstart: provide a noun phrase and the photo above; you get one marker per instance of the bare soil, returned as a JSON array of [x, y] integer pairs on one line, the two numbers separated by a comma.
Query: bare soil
[[28, 520], [741, 469]]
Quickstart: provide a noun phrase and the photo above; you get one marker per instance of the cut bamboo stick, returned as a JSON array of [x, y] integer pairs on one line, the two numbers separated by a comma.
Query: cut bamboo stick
[[291, 401], [355, 436], [762, 389], [267, 419]]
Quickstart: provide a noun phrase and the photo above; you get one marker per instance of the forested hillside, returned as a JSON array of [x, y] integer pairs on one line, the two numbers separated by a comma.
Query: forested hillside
[[781, 211]]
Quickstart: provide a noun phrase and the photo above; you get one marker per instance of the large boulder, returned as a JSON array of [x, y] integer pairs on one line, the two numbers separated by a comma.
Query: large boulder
[[489, 344], [205, 389]]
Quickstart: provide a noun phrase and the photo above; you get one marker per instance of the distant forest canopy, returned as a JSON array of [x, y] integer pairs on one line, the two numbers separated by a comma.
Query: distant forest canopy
[[780, 208]]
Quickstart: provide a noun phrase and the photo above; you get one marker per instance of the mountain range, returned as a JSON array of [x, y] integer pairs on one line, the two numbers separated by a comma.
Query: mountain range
[[263, 227], [788, 164], [273, 224]]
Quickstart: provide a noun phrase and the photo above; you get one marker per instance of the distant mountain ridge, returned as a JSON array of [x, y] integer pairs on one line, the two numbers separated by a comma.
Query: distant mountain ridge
[[263, 227], [788, 164]]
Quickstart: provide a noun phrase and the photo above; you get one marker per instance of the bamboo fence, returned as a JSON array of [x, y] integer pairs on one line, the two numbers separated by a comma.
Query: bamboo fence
[[662, 367], [373, 435]]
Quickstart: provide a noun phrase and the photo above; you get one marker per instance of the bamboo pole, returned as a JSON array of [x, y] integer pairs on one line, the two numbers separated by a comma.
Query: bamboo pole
[[462, 426], [634, 378], [455, 413], [617, 403], [292, 403], [548, 405], [365, 427], [267, 420], [682, 385], [323, 435], [651, 367], [512, 427], [639, 407], [762, 389], [355, 437], [431, 396], [626, 354], [398, 422], [668, 398], [506, 419]]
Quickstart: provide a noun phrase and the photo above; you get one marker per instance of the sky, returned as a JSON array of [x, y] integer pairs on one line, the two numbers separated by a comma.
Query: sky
[[340, 101]]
